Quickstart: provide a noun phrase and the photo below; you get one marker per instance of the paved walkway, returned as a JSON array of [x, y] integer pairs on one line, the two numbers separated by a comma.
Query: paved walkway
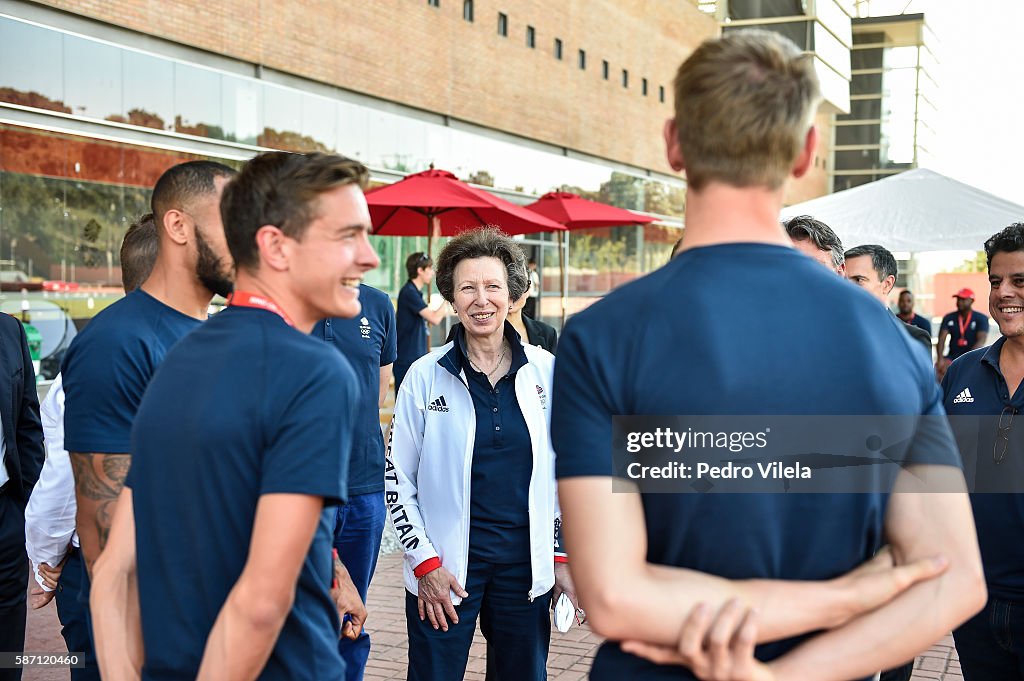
[[569, 659]]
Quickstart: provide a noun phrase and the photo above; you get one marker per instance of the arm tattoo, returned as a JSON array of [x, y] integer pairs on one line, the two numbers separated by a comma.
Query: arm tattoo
[[98, 482]]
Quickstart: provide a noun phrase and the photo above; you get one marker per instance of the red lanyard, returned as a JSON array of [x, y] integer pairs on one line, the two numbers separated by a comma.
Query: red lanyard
[[246, 299], [963, 327]]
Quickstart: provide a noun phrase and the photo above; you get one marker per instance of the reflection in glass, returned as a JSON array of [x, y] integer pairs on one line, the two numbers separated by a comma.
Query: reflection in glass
[[148, 91], [282, 118], [30, 66], [242, 109], [319, 123], [197, 102], [353, 131], [92, 77]]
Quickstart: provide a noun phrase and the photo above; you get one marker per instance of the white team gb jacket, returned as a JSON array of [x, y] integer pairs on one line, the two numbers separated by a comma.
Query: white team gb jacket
[[430, 455]]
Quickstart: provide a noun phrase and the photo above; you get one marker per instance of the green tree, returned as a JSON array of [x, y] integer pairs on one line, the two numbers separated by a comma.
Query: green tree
[[979, 263]]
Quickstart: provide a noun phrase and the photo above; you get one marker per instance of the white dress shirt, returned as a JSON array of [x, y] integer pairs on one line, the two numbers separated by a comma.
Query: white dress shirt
[[50, 514], [4, 475]]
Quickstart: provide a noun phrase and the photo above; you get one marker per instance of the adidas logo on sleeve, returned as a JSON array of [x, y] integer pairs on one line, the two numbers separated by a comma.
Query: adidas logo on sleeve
[[964, 396], [438, 405]]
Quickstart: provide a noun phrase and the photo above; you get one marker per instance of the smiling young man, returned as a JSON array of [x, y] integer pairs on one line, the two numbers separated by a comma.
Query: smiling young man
[[987, 382], [241, 450]]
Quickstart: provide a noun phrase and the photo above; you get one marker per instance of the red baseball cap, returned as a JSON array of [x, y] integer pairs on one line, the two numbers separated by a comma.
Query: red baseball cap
[[964, 293]]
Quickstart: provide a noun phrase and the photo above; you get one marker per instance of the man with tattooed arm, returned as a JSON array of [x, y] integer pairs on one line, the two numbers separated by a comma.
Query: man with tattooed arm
[[111, 361]]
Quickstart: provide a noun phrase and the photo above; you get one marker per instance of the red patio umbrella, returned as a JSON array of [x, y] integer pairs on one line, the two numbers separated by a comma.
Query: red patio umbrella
[[436, 203], [575, 212]]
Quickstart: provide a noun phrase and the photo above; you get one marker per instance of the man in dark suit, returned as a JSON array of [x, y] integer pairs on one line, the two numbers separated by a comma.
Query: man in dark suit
[[21, 459]]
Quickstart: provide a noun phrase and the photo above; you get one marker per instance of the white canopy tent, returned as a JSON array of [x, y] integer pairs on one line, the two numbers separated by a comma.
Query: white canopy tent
[[919, 210]]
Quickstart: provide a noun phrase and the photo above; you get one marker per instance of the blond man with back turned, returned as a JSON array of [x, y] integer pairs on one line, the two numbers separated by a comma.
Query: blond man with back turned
[[642, 563]]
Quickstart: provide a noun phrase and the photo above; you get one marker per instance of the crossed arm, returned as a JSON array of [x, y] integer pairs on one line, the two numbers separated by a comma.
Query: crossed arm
[[629, 598]]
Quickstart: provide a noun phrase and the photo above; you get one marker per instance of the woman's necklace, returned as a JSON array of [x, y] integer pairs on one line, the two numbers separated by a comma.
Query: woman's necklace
[[497, 365]]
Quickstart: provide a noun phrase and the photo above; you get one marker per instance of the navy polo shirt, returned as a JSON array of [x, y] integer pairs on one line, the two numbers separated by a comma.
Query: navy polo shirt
[[412, 328], [368, 342], [242, 407], [499, 496], [647, 349], [951, 324], [974, 387], [108, 366], [922, 323]]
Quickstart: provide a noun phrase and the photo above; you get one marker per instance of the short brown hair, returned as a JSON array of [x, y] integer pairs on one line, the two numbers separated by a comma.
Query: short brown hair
[[744, 104], [484, 242], [281, 189], [138, 252], [415, 262]]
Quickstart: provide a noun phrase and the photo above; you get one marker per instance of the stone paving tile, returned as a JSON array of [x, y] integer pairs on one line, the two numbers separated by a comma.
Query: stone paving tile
[[569, 660]]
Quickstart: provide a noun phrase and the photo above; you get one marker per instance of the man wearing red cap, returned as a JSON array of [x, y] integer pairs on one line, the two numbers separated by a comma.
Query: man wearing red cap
[[965, 328]]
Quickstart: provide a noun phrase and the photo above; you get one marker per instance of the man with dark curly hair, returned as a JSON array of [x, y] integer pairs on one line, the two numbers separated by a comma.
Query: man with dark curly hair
[[987, 382]]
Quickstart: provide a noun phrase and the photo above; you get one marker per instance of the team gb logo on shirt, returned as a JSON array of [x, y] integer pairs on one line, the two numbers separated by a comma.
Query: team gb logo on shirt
[[364, 328]]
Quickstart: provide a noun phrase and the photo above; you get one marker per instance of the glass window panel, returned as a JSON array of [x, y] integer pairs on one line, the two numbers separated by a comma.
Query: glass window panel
[[148, 95], [197, 102], [92, 78], [398, 143], [761, 9], [319, 123], [31, 66], [94, 213], [863, 38], [857, 134], [863, 109], [867, 58], [797, 31], [382, 277], [282, 118], [866, 84], [243, 110], [842, 182], [353, 131], [856, 160]]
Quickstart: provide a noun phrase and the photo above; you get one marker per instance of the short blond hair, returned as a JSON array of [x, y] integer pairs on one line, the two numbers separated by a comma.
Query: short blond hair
[[744, 104]]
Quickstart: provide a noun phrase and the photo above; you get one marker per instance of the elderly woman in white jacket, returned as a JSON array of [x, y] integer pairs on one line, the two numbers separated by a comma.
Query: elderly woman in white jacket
[[470, 478]]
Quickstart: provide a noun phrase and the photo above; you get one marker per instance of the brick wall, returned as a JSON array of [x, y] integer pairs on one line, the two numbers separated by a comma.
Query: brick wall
[[427, 57]]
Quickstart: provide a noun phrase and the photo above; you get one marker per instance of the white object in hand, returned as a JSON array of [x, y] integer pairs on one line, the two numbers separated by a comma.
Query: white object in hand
[[564, 612]]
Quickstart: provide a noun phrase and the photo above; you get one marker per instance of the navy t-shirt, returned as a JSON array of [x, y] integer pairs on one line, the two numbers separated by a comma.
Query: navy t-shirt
[[108, 366], [368, 342], [242, 407], [806, 343], [412, 328], [951, 324], [974, 387], [499, 496], [922, 323]]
